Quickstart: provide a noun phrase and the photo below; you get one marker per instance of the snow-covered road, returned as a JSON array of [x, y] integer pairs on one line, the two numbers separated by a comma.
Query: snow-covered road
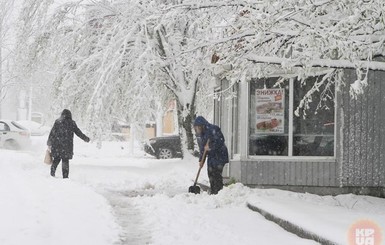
[[114, 198]]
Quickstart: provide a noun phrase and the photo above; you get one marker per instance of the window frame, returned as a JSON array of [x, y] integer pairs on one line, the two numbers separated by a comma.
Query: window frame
[[235, 112], [218, 107], [290, 131]]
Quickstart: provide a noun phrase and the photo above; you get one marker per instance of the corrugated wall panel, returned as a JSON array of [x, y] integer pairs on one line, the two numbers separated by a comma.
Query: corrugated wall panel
[[345, 136], [323, 178], [270, 174], [298, 174], [381, 161], [334, 174], [304, 172], [364, 129], [289, 173], [349, 131], [284, 172], [280, 168], [292, 174], [364, 132], [370, 135], [377, 130], [357, 142], [250, 169], [317, 174]]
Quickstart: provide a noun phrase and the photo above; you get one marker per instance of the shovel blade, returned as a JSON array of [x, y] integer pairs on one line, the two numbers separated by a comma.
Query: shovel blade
[[194, 189]]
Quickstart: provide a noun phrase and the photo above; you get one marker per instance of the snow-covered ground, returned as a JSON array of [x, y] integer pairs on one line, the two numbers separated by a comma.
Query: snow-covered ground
[[327, 216], [38, 209], [113, 197]]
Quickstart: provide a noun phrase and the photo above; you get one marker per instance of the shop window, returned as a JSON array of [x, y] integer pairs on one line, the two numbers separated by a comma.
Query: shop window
[[269, 115], [313, 128], [274, 101]]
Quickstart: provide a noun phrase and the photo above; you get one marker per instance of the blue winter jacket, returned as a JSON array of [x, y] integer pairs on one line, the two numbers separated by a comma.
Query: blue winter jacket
[[218, 154]]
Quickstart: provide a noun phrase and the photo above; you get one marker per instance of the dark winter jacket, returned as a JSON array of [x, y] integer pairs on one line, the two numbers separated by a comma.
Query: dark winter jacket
[[61, 138], [218, 154]]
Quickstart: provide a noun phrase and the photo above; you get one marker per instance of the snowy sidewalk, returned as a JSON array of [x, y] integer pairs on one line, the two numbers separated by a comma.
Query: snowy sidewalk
[[129, 217], [325, 216], [113, 198], [37, 209], [152, 204], [203, 219]]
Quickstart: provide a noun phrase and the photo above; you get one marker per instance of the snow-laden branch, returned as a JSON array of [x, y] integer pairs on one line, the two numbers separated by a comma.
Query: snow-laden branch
[[219, 4], [370, 65]]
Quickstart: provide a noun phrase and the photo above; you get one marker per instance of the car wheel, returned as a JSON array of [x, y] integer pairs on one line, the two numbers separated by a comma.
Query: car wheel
[[165, 153], [11, 145]]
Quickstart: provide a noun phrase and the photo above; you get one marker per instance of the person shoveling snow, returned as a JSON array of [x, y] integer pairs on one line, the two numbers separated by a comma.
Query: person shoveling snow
[[211, 140]]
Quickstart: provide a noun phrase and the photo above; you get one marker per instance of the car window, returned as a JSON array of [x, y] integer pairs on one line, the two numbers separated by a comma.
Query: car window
[[18, 126], [4, 127]]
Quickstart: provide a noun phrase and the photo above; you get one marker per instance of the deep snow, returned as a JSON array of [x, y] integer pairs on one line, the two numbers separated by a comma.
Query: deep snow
[[38, 209], [113, 197], [326, 216]]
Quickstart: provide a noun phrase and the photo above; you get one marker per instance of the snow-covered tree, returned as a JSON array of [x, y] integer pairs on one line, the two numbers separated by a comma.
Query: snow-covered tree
[[300, 36], [259, 38], [179, 60], [29, 67], [99, 56], [121, 59], [5, 78], [118, 59]]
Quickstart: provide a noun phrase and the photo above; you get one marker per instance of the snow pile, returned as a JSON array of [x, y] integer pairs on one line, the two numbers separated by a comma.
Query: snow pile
[[153, 194], [204, 219], [38, 209], [328, 216], [149, 200]]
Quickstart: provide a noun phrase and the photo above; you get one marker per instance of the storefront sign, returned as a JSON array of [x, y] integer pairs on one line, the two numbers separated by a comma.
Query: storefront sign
[[270, 106]]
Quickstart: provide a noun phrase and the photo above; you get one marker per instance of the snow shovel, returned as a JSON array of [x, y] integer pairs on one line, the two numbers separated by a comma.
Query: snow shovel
[[196, 189]]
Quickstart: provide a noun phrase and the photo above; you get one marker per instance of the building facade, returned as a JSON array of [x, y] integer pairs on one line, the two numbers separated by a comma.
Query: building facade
[[335, 145]]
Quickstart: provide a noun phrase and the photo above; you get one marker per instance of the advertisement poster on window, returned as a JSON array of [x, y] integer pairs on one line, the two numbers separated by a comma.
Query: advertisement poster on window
[[270, 111]]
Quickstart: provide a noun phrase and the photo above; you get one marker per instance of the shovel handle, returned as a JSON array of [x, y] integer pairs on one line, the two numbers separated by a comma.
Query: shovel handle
[[196, 179], [200, 168]]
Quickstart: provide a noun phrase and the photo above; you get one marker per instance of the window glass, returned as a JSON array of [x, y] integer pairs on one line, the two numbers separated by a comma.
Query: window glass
[[313, 128], [269, 114], [4, 127]]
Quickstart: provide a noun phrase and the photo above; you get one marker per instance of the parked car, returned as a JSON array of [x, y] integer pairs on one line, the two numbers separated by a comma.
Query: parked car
[[164, 147], [36, 129], [13, 136]]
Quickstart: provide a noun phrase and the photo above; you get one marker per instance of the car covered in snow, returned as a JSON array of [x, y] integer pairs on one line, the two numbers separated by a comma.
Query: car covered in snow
[[13, 136], [164, 147], [36, 129]]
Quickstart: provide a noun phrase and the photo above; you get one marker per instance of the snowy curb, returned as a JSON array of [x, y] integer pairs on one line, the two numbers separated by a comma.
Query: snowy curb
[[290, 227]]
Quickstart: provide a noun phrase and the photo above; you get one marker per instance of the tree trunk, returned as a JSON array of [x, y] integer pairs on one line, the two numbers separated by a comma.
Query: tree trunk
[[185, 119]]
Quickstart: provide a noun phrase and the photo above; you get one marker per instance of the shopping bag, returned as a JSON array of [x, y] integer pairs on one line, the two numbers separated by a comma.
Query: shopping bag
[[48, 158]]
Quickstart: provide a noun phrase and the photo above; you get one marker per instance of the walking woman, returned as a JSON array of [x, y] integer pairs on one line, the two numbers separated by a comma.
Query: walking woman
[[61, 142]]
